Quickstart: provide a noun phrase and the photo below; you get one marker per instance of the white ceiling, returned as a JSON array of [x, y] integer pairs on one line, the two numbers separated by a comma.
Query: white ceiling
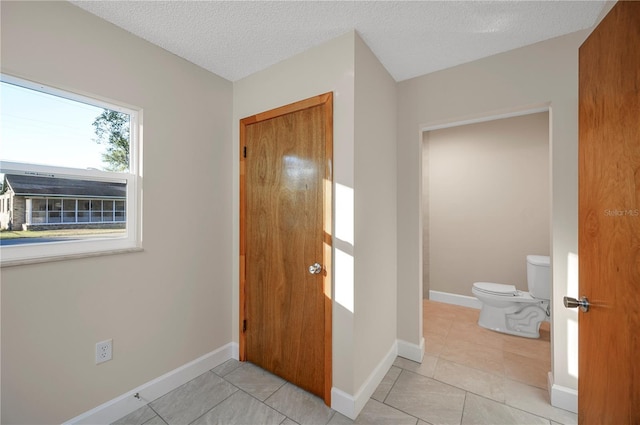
[[234, 39]]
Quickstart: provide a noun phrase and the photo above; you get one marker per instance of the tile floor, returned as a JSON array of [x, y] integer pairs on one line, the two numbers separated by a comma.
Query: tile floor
[[469, 375]]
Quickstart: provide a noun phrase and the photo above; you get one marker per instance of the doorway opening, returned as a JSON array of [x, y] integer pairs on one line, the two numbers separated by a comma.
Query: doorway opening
[[486, 205]]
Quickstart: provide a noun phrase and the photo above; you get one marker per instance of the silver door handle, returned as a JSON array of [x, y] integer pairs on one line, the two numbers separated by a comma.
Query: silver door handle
[[315, 268], [583, 303]]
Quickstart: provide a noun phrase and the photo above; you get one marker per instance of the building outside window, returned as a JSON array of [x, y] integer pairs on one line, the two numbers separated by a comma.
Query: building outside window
[[50, 203], [70, 165]]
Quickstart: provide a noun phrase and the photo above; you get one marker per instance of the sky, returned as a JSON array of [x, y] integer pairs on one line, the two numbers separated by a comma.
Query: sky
[[40, 128]]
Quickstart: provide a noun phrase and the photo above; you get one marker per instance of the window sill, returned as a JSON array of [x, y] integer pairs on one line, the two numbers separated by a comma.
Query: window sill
[[66, 257]]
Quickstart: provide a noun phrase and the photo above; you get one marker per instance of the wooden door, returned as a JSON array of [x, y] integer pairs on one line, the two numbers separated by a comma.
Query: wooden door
[[609, 220], [286, 186]]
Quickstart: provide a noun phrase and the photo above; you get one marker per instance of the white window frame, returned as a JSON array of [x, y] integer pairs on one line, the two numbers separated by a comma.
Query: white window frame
[[52, 251]]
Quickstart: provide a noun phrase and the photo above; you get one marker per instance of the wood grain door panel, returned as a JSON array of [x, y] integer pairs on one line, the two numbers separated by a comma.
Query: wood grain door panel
[[609, 219], [284, 307]]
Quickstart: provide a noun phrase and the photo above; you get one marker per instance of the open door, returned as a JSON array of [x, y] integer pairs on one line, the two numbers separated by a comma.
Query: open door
[[609, 220]]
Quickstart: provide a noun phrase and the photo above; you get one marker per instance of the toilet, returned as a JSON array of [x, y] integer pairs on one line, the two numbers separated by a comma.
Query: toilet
[[508, 310]]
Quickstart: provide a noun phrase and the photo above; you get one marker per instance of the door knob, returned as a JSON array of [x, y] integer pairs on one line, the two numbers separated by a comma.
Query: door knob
[[583, 303], [315, 268]]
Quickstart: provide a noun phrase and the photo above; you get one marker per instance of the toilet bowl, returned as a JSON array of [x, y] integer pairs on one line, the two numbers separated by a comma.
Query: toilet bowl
[[506, 309]]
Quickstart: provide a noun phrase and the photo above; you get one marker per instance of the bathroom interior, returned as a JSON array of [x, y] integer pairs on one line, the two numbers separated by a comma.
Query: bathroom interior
[[486, 218]]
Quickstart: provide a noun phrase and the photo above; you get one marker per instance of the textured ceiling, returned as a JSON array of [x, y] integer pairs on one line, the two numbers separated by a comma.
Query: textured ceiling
[[234, 39]]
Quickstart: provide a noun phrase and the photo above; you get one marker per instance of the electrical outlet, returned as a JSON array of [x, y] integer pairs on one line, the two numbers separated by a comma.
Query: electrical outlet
[[104, 351]]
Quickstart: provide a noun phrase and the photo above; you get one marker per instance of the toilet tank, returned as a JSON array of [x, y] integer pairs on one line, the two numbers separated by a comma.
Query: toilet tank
[[539, 276]]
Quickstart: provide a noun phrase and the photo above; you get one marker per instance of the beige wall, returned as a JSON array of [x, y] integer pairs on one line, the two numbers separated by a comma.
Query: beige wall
[[163, 307], [329, 67], [364, 181], [187, 298], [489, 201], [181, 292], [425, 217], [375, 212], [540, 75]]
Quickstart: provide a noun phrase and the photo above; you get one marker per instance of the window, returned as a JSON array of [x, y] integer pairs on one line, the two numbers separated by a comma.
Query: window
[[69, 167]]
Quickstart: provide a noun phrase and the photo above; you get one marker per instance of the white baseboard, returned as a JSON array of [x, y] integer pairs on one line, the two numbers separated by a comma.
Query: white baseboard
[[343, 402], [411, 351], [347, 404], [123, 405], [562, 397], [461, 300], [351, 406]]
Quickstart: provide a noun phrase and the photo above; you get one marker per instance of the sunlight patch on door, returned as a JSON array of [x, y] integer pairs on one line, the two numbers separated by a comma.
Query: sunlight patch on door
[[299, 174]]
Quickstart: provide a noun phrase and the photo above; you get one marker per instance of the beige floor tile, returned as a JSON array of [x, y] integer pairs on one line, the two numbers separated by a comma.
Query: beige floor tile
[[536, 400], [533, 348], [436, 326], [156, 420], [545, 331], [255, 381], [475, 334], [469, 315], [474, 355], [433, 344], [376, 413], [240, 409], [476, 381], [138, 417], [427, 399], [426, 368], [435, 309], [462, 362], [521, 361], [449, 311], [480, 411], [226, 367], [526, 370], [191, 400], [299, 405], [387, 383]]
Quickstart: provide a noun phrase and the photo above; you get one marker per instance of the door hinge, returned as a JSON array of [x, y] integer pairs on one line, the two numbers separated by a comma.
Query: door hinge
[[244, 152], [244, 325]]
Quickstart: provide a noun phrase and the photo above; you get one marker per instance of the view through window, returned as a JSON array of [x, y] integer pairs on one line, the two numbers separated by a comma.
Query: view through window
[[66, 169]]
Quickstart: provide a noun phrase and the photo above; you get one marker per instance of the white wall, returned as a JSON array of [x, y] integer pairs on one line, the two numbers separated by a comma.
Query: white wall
[[543, 74], [163, 307], [489, 201]]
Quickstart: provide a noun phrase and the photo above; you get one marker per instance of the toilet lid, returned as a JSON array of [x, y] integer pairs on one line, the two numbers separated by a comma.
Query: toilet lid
[[496, 288]]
